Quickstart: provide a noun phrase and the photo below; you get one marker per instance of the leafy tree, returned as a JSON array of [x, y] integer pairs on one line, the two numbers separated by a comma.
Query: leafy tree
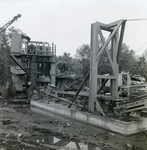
[[144, 70], [104, 64], [83, 52], [80, 64], [5, 42], [4, 56], [140, 67], [82, 58], [127, 59], [64, 63]]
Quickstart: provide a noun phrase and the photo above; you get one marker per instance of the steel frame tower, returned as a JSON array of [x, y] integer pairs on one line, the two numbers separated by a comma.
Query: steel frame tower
[[116, 30]]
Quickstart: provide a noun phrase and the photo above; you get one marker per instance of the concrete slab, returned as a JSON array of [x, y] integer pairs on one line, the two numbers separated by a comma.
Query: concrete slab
[[115, 125]]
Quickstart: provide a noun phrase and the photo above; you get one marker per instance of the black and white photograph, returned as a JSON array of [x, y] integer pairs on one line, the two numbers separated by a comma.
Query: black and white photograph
[[73, 74]]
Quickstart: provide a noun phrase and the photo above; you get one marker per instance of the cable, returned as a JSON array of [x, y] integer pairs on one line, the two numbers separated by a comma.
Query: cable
[[141, 46], [141, 19]]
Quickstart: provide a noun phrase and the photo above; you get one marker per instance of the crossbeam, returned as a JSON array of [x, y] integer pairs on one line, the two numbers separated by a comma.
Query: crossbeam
[[18, 63]]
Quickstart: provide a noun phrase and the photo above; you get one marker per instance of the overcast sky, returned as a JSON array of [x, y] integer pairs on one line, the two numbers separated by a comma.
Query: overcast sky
[[67, 23]]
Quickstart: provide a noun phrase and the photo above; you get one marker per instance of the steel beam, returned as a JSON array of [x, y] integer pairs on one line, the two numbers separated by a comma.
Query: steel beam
[[78, 91], [114, 50], [106, 77], [121, 40], [99, 90], [18, 63], [113, 24], [93, 67]]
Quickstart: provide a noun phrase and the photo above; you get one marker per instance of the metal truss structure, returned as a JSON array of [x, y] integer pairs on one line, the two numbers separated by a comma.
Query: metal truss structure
[[116, 32]]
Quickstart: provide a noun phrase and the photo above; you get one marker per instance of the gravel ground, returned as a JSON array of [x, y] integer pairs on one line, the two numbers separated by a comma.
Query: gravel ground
[[25, 128]]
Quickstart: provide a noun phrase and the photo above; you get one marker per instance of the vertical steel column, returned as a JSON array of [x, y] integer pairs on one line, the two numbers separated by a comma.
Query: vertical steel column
[[93, 67], [114, 82], [53, 72], [33, 72], [53, 65]]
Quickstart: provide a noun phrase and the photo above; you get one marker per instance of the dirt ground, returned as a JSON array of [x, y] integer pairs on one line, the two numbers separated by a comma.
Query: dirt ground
[[27, 128]]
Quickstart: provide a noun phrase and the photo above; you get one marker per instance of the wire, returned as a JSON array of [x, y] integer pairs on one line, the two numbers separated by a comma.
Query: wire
[[140, 19], [142, 46]]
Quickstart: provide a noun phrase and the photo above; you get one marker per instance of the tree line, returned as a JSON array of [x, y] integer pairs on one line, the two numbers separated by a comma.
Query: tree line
[[79, 65]]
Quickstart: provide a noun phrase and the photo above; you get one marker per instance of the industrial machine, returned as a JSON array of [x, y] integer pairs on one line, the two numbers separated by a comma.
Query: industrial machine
[[35, 64], [4, 27]]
